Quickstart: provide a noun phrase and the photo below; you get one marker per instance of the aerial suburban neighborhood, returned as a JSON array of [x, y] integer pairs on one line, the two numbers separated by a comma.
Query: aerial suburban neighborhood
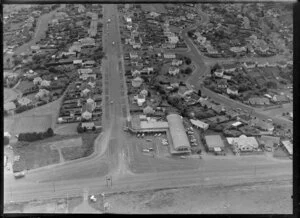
[[137, 108]]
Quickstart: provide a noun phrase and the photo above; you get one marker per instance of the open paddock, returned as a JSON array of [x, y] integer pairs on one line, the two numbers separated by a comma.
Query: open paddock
[[31, 124]]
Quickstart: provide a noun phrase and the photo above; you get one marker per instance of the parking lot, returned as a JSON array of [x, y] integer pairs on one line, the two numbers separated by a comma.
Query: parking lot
[[157, 160]]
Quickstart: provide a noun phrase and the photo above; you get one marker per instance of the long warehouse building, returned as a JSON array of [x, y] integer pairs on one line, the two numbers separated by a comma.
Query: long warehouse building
[[178, 134]]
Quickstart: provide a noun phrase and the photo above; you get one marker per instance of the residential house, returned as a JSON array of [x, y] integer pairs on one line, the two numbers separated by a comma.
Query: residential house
[[243, 143], [214, 143], [219, 73], [269, 141], [86, 76], [250, 64], [288, 146], [87, 112], [144, 92], [272, 64], [45, 83], [176, 62], [232, 91], [226, 77], [88, 125], [232, 114], [85, 71], [169, 55], [262, 64], [173, 39], [37, 80], [282, 64], [148, 110], [140, 99], [199, 124], [24, 101], [262, 125], [136, 73], [279, 98], [85, 92], [229, 67], [258, 101], [91, 102], [238, 49], [173, 71], [244, 118], [87, 42], [89, 63], [42, 93], [77, 62], [137, 82], [133, 55]]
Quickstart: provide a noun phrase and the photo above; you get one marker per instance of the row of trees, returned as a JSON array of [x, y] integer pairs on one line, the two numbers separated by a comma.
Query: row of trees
[[34, 136]]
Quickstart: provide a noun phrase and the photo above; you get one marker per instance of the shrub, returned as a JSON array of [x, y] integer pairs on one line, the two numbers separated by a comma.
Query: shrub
[[6, 140]]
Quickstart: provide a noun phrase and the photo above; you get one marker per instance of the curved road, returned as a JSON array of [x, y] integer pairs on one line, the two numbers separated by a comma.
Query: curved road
[[75, 177]]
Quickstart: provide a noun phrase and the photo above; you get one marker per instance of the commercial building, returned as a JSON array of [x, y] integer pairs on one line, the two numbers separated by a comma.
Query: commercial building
[[214, 143], [177, 131], [243, 143], [199, 124]]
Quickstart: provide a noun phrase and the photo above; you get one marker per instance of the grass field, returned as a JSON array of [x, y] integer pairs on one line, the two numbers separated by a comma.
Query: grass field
[[9, 95], [31, 124], [82, 148]]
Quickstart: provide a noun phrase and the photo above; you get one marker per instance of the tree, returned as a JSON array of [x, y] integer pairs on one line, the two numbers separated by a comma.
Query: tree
[[79, 128], [6, 140], [188, 70], [84, 129], [190, 33], [188, 61], [199, 92], [50, 132]]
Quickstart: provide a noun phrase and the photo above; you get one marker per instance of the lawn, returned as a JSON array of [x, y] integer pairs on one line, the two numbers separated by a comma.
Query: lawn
[[25, 84], [9, 94], [37, 154], [31, 124], [86, 148]]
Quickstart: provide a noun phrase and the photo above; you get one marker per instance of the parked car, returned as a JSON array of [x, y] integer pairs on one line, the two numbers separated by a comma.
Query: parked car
[[150, 149], [183, 157], [146, 150], [148, 140]]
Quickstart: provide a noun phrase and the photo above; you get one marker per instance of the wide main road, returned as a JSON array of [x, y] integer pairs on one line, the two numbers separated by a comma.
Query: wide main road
[[73, 179]]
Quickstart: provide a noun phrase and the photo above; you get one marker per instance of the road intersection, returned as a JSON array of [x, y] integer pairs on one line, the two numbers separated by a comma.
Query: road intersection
[[73, 178]]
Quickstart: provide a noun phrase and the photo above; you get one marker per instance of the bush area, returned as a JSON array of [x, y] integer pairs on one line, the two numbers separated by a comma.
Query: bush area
[[87, 148], [6, 140], [34, 136]]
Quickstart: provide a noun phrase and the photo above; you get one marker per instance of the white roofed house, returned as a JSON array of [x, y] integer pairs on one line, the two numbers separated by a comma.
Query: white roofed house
[[137, 82], [85, 92], [243, 143], [288, 146], [169, 55], [45, 83], [133, 55], [144, 92], [232, 91], [219, 73], [87, 112], [199, 124], [176, 62], [173, 39], [77, 62], [91, 102], [87, 42], [136, 45], [250, 64], [24, 101], [173, 71], [135, 73], [37, 80], [42, 94], [141, 99]]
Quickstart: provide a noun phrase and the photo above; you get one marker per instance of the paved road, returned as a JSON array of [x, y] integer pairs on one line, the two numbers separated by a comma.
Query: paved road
[[74, 178]]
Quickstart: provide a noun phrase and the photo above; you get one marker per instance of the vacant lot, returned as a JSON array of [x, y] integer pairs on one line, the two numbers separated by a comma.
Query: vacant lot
[[31, 124], [83, 147]]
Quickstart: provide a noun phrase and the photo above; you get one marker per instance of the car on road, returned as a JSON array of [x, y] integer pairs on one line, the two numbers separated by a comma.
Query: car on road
[[159, 134], [182, 157], [146, 150], [113, 43], [19, 174], [150, 149]]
